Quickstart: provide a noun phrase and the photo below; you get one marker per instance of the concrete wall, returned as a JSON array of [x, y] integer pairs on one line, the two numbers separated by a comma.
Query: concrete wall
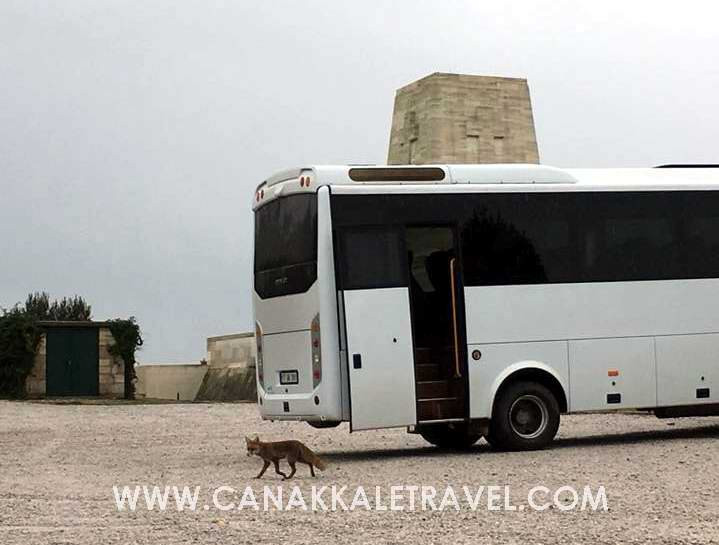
[[237, 350], [231, 369], [35, 382], [458, 118], [111, 369], [169, 381], [228, 376]]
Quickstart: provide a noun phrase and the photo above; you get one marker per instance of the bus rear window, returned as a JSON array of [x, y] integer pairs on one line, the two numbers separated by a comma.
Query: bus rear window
[[286, 246]]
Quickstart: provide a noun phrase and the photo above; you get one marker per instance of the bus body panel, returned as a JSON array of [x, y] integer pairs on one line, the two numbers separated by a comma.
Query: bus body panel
[[332, 398], [287, 352], [289, 313], [617, 373], [285, 323], [545, 312], [497, 362], [343, 361], [687, 370], [605, 327]]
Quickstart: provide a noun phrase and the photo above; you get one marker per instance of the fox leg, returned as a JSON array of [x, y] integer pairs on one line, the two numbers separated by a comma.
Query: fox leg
[[265, 465], [294, 469], [312, 468], [277, 469]]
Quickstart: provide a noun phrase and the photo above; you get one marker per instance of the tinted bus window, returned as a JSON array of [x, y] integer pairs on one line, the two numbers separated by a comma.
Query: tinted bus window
[[567, 237], [371, 258], [286, 246], [575, 237]]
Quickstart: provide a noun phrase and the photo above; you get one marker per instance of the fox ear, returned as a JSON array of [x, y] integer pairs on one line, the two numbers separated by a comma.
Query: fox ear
[[257, 438], [247, 439]]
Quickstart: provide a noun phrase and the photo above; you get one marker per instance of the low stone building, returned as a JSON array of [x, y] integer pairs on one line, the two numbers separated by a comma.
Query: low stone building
[[73, 359]]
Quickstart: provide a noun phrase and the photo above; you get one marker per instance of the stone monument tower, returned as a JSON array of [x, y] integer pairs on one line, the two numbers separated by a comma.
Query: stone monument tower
[[456, 118]]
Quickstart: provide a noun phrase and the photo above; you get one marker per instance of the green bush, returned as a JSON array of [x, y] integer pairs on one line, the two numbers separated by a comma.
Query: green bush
[[128, 339], [19, 338]]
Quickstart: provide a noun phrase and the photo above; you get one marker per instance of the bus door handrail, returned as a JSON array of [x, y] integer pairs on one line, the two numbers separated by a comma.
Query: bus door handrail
[[452, 262]]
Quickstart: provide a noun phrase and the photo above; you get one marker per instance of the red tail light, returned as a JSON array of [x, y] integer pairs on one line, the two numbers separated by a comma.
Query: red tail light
[[316, 352], [260, 366]]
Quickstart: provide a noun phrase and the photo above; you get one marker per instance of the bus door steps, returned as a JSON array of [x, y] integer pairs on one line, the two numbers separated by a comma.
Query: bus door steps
[[425, 372], [441, 421], [440, 408], [427, 389], [431, 354]]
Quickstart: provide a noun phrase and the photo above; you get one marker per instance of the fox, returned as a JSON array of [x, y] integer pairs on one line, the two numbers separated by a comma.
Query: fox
[[273, 452]]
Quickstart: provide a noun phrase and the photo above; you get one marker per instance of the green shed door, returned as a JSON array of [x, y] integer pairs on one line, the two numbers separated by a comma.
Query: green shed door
[[72, 367]]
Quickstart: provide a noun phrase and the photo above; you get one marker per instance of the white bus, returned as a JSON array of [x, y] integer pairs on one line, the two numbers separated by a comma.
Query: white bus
[[485, 300]]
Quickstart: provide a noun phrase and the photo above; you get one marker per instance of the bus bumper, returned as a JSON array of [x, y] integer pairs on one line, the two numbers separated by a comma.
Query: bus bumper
[[298, 407]]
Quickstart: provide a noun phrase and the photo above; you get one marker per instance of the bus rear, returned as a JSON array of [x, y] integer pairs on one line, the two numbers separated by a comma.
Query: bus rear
[[295, 303]]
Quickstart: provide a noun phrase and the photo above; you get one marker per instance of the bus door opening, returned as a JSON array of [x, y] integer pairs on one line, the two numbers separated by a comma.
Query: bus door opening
[[438, 325]]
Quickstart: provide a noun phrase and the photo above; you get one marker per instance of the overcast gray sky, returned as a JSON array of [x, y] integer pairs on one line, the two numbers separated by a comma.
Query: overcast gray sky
[[132, 133]]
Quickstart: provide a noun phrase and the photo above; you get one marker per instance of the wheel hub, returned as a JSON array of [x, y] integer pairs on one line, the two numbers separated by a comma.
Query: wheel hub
[[528, 416]]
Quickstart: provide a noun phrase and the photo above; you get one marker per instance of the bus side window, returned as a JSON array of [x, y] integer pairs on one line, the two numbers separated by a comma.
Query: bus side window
[[372, 258]]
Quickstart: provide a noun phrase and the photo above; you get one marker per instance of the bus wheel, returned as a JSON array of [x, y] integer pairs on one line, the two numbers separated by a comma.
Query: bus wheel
[[525, 417], [455, 436]]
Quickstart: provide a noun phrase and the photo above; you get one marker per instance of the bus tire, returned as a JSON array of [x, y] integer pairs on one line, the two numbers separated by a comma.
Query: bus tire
[[525, 417], [449, 436]]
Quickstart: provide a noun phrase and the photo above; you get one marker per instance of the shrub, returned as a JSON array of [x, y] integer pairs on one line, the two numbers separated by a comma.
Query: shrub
[[128, 339], [19, 338]]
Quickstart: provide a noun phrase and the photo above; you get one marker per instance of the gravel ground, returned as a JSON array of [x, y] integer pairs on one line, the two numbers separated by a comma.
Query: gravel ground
[[58, 464]]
